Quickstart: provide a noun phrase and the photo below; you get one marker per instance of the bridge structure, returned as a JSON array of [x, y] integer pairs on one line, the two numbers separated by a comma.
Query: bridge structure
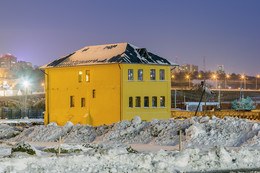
[[32, 99]]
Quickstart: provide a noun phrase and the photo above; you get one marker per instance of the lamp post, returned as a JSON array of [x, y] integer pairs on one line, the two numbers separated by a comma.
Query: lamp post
[[25, 84], [188, 77], [242, 78], [257, 76], [227, 77], [215, 77], [219, 96]]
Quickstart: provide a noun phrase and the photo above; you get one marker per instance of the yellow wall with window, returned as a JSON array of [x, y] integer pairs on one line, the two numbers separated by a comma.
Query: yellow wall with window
[[146, 88], [64, 82]]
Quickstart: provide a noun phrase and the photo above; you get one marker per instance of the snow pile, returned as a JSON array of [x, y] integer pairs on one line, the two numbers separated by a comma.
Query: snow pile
[[24, 147], [126, 131], [197, 131], [86, 133], [7, 131], [229, 131], [105, 158], [200, 131], [49, 133]]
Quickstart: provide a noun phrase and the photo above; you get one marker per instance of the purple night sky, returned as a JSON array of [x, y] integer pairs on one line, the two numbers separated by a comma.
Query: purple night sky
[[225, 31]]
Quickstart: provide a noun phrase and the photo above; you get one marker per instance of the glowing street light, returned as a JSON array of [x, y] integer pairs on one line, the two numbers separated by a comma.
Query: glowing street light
[[26, 85], [188, 77], [173, 76], [242, 78], [216, 78], [199, 76], [227, 77], [257, 76]]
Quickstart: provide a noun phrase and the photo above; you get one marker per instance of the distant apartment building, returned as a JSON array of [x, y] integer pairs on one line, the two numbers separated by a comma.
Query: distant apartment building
[[220, 69], [8, 70], [186, 68], [8, 61], [24, 64]]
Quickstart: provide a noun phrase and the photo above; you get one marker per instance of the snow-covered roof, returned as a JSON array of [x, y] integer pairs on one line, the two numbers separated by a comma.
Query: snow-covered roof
[[110, 53]]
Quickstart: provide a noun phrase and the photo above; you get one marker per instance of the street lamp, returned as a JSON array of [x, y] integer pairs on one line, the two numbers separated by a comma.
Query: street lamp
[[242, 78], [257, 76], [219, 96], [188, 77], [215, 77], [173, 76], [227, 77], [199, 76], [25, 84]]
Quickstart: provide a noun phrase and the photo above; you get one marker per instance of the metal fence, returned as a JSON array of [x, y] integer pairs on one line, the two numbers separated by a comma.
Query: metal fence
[[18, 113], [220, 114]]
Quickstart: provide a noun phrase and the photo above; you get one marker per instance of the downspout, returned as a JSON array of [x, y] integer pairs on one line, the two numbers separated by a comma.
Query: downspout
[[47, 93], [120, 92]]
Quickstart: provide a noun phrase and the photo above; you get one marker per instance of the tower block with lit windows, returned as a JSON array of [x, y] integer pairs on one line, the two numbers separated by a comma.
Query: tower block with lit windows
[[104, 84]]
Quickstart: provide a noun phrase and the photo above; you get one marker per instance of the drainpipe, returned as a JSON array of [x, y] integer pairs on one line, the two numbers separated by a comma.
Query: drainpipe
[[47, 89], [120, 92]]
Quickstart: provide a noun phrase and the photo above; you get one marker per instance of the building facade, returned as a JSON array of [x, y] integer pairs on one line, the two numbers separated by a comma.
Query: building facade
[[104, 84]]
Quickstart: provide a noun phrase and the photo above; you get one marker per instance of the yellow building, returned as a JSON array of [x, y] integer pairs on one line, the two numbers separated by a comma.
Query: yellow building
[[104, 84]]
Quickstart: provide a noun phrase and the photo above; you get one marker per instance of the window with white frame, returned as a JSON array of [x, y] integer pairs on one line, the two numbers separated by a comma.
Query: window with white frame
[[130, 74], [162, 101], [152, 74], [138, 102], [140, 74], [162, 74], [130, 102], [154, 101], [146, 102]]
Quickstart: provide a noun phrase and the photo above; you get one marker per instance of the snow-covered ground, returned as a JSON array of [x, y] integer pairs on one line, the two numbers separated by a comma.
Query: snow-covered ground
[[135, 146]]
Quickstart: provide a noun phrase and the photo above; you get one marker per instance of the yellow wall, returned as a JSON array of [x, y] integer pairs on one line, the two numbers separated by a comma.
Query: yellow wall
[[63, 83], [146, 88]]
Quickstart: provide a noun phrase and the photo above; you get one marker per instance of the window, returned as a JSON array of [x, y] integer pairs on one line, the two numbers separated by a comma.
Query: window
[[72, 102], [130, 74], [140, 74], [93, 93], [152, 74], [162, 101], [162, 74], [130, 102], [138, 102], [146, 102], [80, 76], [82, 102], [87, 75], [154, 101]]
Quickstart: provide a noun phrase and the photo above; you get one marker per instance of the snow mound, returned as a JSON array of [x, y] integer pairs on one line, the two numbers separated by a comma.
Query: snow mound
[[113, 158], [197, 131], [229, 131], [86, 133], [23, 147], [41, 134], [7, 131]]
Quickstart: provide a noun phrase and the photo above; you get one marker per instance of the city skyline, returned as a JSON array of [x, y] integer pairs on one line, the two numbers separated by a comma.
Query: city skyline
[[225, 32]]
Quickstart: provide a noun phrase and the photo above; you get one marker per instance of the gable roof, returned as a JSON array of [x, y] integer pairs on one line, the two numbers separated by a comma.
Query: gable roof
[[110, 53]]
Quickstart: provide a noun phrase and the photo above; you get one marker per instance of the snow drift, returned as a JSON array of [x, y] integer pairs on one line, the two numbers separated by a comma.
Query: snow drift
[[197, 131]]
